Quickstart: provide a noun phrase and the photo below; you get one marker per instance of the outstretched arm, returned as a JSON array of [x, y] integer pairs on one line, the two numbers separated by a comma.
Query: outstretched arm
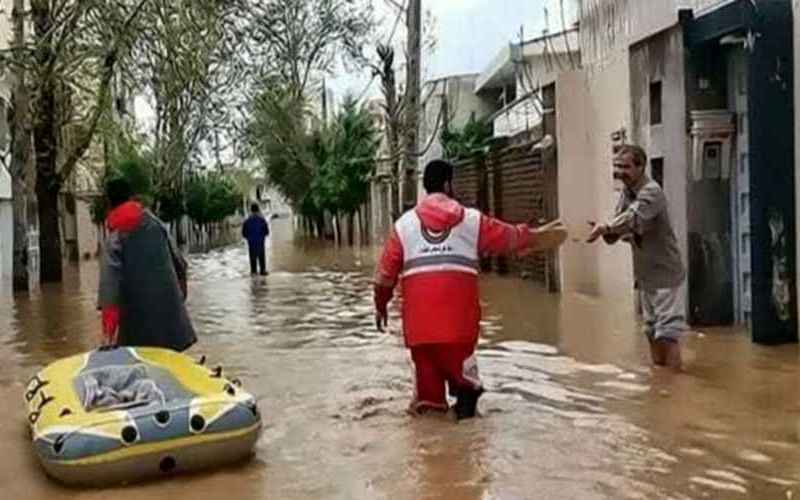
[[500, 238], [634, 217]]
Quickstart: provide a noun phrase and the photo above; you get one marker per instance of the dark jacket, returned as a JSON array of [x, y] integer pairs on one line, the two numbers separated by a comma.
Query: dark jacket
[[143, 273], [255, 230]]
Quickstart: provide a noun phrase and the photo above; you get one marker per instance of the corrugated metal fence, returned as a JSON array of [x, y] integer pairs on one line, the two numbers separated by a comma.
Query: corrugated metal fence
[[515, 185]]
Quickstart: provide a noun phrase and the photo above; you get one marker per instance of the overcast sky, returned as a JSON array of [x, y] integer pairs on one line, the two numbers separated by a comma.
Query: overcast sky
[[470, 33]]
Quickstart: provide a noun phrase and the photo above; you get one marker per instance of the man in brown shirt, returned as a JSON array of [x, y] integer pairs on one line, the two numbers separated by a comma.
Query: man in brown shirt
[[642, 219]]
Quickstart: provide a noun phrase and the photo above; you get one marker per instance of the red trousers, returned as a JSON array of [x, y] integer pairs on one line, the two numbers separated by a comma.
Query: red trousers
[[436, 364]]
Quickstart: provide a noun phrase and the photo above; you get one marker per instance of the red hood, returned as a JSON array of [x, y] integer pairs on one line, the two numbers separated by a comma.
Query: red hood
[[125, 217], [438, 212]]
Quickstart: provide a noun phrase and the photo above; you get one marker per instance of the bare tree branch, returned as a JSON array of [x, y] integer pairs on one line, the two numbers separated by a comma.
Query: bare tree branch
[[102, 97]]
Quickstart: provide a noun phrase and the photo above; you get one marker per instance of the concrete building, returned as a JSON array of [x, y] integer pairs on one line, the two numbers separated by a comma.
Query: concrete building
[[593, 113], [450, 101], [704, 86], [384, 191], [515, 80]]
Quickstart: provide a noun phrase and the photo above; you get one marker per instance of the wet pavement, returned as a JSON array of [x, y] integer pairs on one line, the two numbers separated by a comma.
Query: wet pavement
[[573, 409]]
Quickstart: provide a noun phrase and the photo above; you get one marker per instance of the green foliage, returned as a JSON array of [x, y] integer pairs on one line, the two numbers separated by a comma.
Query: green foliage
[[140, 176], [278, 137], [345, 156], [325, 170], [207, 199], [138, 172], [473, 137], [211, 198], [170, 203], [127, 156]]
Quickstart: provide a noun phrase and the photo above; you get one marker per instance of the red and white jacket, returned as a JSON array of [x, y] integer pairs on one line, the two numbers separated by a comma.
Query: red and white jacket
[[434, 251]]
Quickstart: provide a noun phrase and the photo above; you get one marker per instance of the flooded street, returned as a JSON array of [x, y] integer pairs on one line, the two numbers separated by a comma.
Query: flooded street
[[572, 409]]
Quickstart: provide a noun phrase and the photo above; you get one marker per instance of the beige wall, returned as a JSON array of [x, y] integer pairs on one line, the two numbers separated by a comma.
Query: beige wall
[[605, 28], [597, 101], [86, 230], [591, 105], [576, 195], [649, 17], [606, 24], [660, 59]]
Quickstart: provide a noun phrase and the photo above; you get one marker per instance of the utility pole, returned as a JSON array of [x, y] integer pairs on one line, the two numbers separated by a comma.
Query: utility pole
[[20, 154], [412, 111]]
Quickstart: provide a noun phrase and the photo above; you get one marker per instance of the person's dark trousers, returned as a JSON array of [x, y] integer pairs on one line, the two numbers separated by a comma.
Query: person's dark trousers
[[258, 256]]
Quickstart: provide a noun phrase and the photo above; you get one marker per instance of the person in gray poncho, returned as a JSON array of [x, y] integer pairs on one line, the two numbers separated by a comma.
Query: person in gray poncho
[[142, 278]]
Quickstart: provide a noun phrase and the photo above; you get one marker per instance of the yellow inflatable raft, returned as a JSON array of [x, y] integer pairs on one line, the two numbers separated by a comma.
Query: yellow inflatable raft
[[123, 414]]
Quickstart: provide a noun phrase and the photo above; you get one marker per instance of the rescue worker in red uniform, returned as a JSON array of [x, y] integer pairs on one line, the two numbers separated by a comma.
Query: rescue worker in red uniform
[[434, 252]]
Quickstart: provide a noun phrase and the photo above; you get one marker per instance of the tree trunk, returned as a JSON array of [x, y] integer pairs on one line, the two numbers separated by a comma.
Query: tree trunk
[[360, 234], [21, 144], [49, 233], [336, 238], [320, 227], [45, 144], [21, 280], [48, 184], [180, 234], [365, 224], [351, 229]]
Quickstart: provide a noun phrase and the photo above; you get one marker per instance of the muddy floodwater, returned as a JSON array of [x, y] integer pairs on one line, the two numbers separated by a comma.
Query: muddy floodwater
[[572, 411]]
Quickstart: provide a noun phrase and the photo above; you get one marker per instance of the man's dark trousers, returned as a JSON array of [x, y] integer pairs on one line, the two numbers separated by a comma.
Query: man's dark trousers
[[258, 256]]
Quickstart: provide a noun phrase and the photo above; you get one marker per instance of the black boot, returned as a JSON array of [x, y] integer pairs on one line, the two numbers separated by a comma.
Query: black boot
[[467, 403]]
